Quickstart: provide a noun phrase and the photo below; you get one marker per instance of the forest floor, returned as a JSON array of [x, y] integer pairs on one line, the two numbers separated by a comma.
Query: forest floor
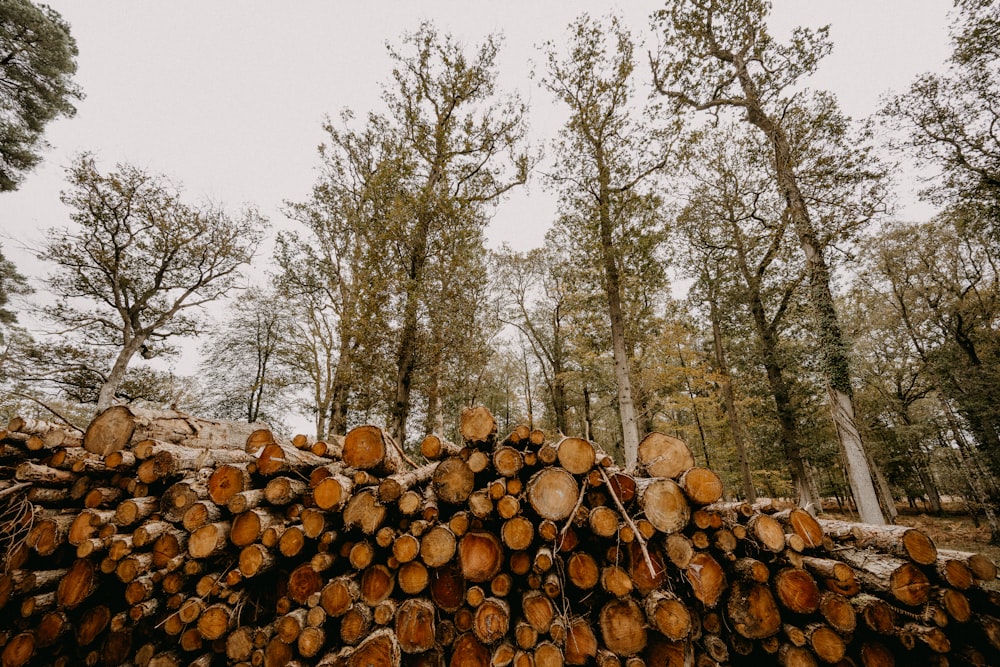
[[953, 529]]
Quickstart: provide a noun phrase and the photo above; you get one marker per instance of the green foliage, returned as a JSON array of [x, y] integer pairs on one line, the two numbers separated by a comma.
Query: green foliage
[[138, 263], [947, 121], [37, 63]]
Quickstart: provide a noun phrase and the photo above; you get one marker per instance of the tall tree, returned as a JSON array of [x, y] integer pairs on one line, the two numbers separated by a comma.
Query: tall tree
[[948, 120], [37, 64], [734, 220], [138, 263], [335, 274], [605, 155], [241, 375], [464, 142], [534, 293], [718, 54]]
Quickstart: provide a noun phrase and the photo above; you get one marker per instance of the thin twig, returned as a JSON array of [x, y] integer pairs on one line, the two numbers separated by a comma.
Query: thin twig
[[635, 530], [13, 489], [572, 515], [399, 449], [50, 409]]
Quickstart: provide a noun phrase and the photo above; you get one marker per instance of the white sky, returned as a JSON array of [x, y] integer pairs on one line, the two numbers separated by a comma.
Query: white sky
[[227, 97]]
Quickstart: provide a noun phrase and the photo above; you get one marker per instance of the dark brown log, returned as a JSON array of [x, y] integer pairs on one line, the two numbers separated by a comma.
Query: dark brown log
[[752, 610], [447, 587], [797, 590], [838, 612], [18, 650], [876, 613], [80, 581]]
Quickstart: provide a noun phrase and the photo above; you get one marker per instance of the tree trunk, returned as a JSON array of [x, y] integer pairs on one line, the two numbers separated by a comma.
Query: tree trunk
[[735, 425], [114, 379], [613, 290], [833, 346]]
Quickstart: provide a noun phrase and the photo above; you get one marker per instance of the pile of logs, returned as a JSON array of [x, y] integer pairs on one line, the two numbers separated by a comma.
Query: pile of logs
[[158, 539]]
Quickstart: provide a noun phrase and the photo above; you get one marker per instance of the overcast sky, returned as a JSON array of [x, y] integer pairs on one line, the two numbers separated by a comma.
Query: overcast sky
[[228, 97]]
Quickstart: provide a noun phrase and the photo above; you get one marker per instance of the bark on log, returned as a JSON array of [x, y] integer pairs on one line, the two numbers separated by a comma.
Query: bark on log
[[119, 425]]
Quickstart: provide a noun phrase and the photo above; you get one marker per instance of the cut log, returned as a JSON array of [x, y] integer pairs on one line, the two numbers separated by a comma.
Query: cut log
[[453, 481], [909, 543], [664, 504], [480, 555], [553, 493], [797, 590], [415, 625], [576, 455], [119, 425], [668, 615], [623, 627], [370, 448], [877, 572], [477, 426], [802, 524], [752, 610], [982, 567], [661, 455], [492, 620], [701, 485], [391, 488], [364, 511], [707, 579], [581, 643]]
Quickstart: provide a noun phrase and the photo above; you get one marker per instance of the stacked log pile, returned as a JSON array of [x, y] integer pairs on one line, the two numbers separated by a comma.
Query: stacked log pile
[[157, 539]]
